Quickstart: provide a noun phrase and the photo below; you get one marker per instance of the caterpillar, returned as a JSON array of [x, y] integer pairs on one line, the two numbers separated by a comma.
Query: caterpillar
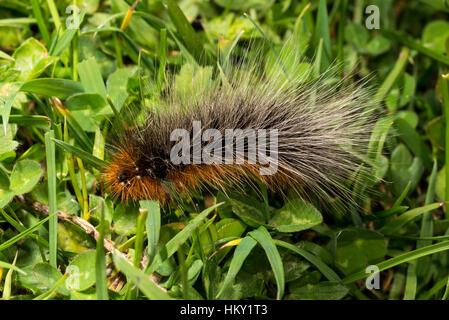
[[316, 129]]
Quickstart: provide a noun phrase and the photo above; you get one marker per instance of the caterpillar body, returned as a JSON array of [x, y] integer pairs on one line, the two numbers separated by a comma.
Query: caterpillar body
[[315, 132]]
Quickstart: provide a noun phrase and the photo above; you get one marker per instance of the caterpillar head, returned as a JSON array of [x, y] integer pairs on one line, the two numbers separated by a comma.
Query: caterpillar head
[[132, 178]]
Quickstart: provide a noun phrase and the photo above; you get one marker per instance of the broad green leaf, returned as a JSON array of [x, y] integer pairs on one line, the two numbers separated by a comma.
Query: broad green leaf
[[414, 141], [71, 239], [7, 146], [31, 58], [125, 219], [404, 169], [297, 215], [82, 101], [91, 78], [249, 214], [357, 35], [191, 80], [6, 105], [229, 28], [25, 175], [288, 59], [82, 271], [358, 248], [377, 46], [6, 196], [409, 116], [40, 278], [228, 228], [435, 34], [117, 86]]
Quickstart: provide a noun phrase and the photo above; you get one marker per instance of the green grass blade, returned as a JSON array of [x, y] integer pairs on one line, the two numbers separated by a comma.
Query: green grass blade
[[322, 32], [51, 87], [394, 225], [427, 218], [5, 265], [412, 44], [445, 94], [41, 122], [241, 252], [153, 226], [140, 233], [87, 157], [54, 14], [133, 46], [402, 196], [186, 32], [341, 33], [51, 178], [40, 21], [434, 290], [386, 213], [53, 289], [5, 56], [181, 237], [262, 236], [142, 280], [24, 233], [78, 132], [411, 283], [63, 42], [8, 280], [278, 58], [317, 262], [162, 59], [101, 284], [90, 76], [405, 257], [393, 76], [7, 110]]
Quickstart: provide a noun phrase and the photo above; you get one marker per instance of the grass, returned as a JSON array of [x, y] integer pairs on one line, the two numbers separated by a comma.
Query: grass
[[62, 236]]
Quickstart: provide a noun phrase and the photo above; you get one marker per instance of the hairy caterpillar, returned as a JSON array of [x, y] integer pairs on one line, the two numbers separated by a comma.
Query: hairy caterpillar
[[321, 129]]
